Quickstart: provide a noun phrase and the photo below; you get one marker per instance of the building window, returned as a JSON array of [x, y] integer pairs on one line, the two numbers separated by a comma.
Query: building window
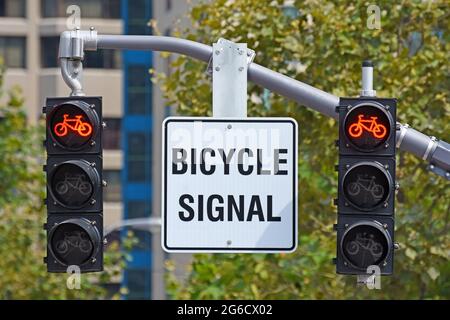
[[13, 51], [138, 158], [13, 8], [101, 9], [139, 209], [138, 284], [112, 136], [139, 89], [49, 52], [113, 192], [139, 15], [102, 59]]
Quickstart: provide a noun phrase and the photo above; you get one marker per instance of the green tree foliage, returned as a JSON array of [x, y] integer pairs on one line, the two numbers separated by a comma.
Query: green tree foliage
[[323, 43], [23, 274]]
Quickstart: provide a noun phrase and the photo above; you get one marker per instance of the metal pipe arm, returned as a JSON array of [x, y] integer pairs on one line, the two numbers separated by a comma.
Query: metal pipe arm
[[408, 139], [302, 93]]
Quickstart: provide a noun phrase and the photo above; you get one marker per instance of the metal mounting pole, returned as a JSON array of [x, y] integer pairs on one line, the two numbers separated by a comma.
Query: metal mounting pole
[[229, 69], [367, 80], [435, 151]]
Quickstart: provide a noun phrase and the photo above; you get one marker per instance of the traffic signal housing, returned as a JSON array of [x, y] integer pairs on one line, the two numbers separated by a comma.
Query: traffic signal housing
[[366, 185], [74, 184]]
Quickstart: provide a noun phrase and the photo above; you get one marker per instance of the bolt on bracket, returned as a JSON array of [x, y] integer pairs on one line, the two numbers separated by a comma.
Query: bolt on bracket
[[251, 54]]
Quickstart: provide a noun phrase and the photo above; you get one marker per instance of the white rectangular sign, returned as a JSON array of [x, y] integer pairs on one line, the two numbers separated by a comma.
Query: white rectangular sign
[[229, 185]]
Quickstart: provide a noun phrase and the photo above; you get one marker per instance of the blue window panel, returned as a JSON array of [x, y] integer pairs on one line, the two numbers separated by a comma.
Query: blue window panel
[[140, 260], [139, 57], [137, 120], [138, 191], [138, 209], [138, 123]]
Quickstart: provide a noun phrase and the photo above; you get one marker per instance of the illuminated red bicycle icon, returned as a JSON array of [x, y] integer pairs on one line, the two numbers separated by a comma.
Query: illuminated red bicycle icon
[[84, 129], [377, 129]]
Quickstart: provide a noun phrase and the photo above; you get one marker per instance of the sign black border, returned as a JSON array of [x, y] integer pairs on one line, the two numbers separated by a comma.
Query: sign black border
[[294, 176]]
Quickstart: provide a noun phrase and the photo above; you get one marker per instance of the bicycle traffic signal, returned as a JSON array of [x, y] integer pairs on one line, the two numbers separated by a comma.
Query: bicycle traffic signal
[[366, 188], [74, 184]]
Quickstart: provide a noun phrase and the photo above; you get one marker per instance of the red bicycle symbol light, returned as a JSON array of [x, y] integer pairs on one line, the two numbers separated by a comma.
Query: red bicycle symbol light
[[371, 125], [76, 124]]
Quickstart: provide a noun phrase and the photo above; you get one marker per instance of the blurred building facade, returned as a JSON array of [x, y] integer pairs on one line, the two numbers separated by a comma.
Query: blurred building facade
[[133, 108]]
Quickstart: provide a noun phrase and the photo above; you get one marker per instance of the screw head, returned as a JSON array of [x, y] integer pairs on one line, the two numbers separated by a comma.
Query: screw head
[[385, 205], [93, 164], [386, 107], [447, 174], [217, 52], [229, 243], [54, 144], [347, 145], [92, 106], [93, 143], [105, 241], [346, 225], [385, 226], [229, 127], [396, 246], [386, 166], [93, 223], [93, 201], [384, 263], [386, 145], [346, 204], [347, 166], [345, 263], [217, 68], [94, 260], [104, 183], [104, 125], [241, 69]]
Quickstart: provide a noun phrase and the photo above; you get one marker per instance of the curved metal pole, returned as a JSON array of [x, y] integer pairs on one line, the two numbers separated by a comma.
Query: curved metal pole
[[71, 71], [408, 139], [304, 94]]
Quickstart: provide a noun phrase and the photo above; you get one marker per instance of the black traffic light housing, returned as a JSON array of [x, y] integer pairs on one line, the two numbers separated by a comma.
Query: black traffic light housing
[[86, 233], [367, 144], [61, 139], [63, 196], [74, 183], [366, 185], [360, 195], [355, 256]]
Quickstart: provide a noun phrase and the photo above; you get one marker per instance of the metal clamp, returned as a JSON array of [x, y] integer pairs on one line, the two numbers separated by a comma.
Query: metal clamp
[[72, 44], [403, 129], [251, 54], [431, 144], [71, 54]]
